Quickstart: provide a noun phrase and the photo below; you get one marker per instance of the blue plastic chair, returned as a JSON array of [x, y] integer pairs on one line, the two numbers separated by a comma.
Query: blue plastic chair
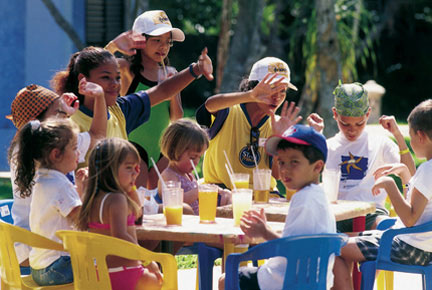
[[206, 258], [383, 261], [307, 259], [6, 210]]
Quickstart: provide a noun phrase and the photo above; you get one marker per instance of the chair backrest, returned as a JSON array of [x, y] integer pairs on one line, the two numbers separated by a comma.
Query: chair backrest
[[307, 259], [9, 267], [88, 253], [6, 210]]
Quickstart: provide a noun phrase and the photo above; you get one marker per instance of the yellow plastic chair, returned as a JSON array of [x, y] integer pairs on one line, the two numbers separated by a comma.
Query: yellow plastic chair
[[9, 267], [385, 278], [88, 253]]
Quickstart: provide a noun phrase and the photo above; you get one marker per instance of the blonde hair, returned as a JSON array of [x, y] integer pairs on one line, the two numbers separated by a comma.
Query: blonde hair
[[104, 162], [180, 136]]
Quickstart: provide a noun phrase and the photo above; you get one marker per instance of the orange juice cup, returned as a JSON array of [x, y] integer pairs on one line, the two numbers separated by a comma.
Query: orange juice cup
[[241, 202], [261, 185], [241, 180], [207, 196], [173, 205]]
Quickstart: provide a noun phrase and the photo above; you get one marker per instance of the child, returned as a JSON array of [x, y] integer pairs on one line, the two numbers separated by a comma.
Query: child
[[35, 102], [358, 154], [49, 151], [124, 113], [182, 142], [416, 209], [110, 207], [239, 122], [147, 67], [301, 154]]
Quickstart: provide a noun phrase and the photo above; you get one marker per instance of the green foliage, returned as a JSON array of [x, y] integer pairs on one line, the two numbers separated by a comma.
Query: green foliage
[[191, 261], [5, 188]]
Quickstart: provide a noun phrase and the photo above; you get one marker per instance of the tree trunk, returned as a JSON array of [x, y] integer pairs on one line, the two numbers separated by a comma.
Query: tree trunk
[[328, 61], [64, 24], [224, 40], [318, 91], [246, 45]]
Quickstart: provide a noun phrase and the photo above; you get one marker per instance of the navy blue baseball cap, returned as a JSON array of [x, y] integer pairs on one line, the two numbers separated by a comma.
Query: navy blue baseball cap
[[298, 134]]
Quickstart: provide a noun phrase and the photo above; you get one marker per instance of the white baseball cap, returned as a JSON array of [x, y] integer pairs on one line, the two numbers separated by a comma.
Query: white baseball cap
[[271, 65], [155, 23]]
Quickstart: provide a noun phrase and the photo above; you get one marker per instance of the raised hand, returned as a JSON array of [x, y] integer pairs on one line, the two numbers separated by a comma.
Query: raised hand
[[205, 65], [128, 42], [389, 123], [65, 105], [90, 89], [315, 121], [263, 91], [289, 117]]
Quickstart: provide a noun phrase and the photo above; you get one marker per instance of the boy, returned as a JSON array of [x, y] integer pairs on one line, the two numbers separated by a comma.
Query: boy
[[301, 154], [358, 154], [239, 122], [416, 209]]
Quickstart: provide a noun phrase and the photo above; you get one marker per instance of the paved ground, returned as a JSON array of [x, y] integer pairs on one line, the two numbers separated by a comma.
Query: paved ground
[[402, 281]]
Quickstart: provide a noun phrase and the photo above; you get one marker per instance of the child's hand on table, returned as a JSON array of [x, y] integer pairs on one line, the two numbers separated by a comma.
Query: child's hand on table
[[254, 224]]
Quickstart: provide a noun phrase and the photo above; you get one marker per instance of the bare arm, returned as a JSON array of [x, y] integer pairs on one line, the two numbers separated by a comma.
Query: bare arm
[[118, 212], [98, 126], [127, 43], [177, 83], [260, 93], [389, 123], [408, 211]]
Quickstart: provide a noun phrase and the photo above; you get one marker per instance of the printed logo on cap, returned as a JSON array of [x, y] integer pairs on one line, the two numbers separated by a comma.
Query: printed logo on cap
[[277, 67], [288, 132], [161, 18]]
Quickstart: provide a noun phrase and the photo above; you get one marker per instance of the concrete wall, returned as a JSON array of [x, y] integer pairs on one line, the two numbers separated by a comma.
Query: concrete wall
[[33, 47]]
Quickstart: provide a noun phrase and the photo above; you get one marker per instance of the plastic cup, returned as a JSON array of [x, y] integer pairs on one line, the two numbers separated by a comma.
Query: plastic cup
[[261, 185], [241, 180], [207, 196], [330, 183], [173, 205], [241, 202]]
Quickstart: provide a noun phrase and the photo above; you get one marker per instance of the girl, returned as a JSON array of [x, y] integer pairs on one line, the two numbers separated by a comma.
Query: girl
[[143, 70], [124, 113], [182, 142], [110, 206], [35, 102], [47, 151]]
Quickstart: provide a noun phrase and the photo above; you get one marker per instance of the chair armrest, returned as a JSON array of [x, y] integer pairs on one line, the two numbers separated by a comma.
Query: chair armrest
[[386, 223], [388, 236]]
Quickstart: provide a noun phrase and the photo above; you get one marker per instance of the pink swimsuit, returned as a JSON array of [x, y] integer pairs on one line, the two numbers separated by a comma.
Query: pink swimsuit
[[101, 225], [122, 278]]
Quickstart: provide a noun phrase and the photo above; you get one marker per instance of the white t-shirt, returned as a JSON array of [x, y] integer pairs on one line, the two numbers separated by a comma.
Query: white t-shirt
[[54, 197], [309, 213], [422, 181], [21, 206], [357, 161]]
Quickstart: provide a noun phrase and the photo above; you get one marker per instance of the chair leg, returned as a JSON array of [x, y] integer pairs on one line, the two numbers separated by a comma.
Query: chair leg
[[368, 270], [206, 257]]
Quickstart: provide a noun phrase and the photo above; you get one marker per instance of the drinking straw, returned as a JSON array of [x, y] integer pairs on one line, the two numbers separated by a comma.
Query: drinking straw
[[230, 176], [194, 168], [230, 170], [158, 173], [164, 69], [256, 165], [254, 157]]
